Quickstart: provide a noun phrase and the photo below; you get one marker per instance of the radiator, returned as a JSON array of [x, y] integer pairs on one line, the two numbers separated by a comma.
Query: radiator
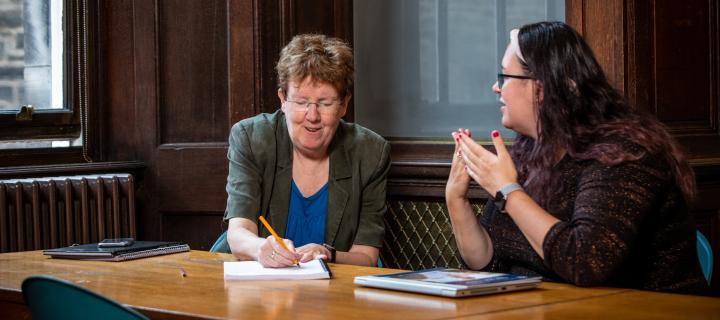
[[41, 213]]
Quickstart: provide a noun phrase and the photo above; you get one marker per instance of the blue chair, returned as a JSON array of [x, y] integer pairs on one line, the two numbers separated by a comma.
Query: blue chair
[[221, 244], [52, 298], [705, 254]]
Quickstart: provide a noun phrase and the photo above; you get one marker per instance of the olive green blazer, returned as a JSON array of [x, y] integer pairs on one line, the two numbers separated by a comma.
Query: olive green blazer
[[260, 157]]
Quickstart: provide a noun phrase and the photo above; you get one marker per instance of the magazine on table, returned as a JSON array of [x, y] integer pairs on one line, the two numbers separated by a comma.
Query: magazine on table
[[450, 282]]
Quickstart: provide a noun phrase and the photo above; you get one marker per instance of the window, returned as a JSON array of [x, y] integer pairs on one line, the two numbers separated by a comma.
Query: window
[[426, 67], [43, 65]]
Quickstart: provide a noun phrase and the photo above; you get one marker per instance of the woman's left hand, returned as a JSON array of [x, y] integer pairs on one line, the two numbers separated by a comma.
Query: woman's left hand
[[312, 251], [490, 171]]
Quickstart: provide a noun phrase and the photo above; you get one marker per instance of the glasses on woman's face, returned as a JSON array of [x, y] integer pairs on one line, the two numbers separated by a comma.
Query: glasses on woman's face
[[323, 107], [502, 76]]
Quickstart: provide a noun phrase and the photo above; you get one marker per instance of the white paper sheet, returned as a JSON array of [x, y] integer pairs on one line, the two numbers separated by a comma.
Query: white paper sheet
[[253, 270]]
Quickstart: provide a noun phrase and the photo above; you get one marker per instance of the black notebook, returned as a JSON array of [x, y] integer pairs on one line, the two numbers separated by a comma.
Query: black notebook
[[139, 249]]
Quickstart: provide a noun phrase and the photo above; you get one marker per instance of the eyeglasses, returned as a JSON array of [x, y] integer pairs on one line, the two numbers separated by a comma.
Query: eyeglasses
[[502, 76], [323, 107]]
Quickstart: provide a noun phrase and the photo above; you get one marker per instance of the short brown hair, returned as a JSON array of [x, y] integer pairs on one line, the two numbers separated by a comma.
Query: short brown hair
[[317, 56]]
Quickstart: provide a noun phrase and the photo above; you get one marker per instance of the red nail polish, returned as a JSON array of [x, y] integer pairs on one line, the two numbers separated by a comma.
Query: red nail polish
[[495, 134]]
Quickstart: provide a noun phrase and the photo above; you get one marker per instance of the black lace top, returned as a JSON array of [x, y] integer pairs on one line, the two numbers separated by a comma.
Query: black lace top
[[623, 226]]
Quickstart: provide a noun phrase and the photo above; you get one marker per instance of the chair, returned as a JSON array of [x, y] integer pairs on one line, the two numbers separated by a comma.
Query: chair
[[705, 254], [52, 298], [221, 245]]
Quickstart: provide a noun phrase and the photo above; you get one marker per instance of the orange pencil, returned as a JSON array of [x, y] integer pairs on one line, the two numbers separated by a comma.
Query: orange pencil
[[277, 238]]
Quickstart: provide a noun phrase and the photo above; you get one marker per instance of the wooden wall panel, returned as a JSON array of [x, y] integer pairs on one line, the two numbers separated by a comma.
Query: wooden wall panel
[[278, 21], [144, 109], [309, 16], [603, 28], [200, 230], [166, 84], [192, 70], [116, 54], [176, 76], [683, 60], [192, 177], [244, 83], [193, 114]]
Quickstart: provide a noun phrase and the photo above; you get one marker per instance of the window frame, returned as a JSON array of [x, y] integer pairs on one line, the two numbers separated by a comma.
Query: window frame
[[420, 167], [67, 122]]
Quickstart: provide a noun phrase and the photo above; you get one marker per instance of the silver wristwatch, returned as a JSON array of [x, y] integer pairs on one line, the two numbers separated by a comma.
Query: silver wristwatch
[[502, 194]]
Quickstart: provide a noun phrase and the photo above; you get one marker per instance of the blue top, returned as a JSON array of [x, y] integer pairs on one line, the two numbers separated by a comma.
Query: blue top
[[306, 216]]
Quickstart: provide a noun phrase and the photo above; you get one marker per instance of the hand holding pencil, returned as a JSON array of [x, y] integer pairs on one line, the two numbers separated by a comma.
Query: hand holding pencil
[[277, 253]]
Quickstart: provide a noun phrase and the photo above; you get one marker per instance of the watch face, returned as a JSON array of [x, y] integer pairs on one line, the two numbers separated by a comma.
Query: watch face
[[499, 201], [500, 205]]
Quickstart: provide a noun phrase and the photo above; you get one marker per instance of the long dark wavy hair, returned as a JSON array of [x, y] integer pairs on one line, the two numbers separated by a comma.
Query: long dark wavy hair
[[581, 113]]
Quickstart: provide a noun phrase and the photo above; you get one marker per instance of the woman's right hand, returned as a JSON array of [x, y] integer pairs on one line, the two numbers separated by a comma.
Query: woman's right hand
[[459, 180], [273, 255], [473, 241]]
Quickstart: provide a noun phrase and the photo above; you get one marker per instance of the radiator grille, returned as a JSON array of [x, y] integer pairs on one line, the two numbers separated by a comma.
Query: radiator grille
[[418, 235], [41, 213]]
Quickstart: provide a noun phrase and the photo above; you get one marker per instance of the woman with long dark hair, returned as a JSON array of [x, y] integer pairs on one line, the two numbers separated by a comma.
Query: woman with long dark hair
[[592, 192]]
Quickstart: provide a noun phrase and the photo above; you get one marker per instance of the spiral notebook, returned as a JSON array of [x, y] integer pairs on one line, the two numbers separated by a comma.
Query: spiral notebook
[[139, 249]]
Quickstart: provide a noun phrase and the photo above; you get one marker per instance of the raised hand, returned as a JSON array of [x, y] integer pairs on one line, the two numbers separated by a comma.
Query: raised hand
[[458, 181], [489, 170]]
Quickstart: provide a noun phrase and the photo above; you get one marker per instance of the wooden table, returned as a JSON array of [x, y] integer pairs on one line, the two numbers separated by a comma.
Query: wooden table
[[156, 287]]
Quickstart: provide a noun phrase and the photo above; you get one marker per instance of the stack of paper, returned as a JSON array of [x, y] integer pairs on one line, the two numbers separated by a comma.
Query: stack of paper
[[253, 270]]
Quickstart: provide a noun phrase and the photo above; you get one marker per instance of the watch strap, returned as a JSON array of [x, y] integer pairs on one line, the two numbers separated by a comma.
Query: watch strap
[[502, 194], [508, 188], [332, 251]]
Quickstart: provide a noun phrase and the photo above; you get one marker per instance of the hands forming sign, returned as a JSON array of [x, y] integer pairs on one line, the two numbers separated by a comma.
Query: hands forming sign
[[491, 171]]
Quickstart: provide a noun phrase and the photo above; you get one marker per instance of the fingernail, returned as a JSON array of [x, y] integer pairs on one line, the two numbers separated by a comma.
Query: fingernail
[[495, 134]]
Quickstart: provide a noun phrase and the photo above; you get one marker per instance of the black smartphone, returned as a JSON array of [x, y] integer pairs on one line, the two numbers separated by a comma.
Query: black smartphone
[[116, 242]]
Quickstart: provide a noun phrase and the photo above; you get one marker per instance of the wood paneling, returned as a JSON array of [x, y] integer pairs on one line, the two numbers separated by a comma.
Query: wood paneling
[[683, 63], [196, 228], [117, 79], [175, 75], [603, 28], [178, 74], [278, 21], [192, 70], [192, 177], [244, 82]]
